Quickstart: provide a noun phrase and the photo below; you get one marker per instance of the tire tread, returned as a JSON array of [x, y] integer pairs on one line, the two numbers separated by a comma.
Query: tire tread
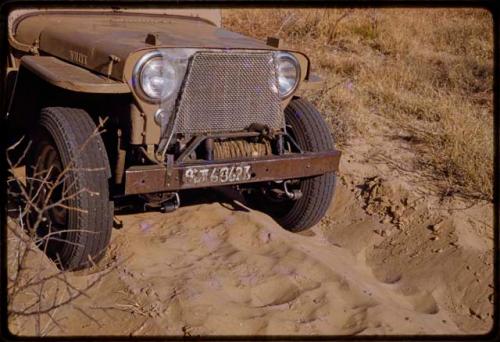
[[70, 128], [312, 134]]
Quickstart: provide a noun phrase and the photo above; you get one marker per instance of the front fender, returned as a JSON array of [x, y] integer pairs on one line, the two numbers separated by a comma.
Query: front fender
[[71, 77], [47, 81]]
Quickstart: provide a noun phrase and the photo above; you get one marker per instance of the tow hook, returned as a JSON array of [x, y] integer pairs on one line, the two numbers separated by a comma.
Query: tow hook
[[295, 194], [171, 204]]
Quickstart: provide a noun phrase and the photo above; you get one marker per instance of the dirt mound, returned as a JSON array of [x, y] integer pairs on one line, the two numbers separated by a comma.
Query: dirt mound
[[212, 269], [383, 199]]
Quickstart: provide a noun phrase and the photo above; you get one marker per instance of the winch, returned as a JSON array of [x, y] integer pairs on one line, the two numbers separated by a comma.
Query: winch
[[231, 149]]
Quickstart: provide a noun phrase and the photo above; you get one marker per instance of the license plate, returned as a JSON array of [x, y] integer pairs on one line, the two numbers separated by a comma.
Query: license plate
[[217, 175]]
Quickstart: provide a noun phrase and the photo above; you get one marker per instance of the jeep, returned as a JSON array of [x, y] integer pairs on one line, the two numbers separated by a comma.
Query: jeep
[[143, 103]]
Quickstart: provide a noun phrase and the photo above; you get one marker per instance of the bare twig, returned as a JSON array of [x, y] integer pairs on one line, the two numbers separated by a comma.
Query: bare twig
[[32, 292]]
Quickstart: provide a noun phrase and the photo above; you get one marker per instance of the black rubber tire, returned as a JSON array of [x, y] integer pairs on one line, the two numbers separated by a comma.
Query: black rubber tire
[[312, 135], [70, 131]]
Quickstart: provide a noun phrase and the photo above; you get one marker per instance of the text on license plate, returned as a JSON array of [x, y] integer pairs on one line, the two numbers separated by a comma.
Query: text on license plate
[[224, 174]]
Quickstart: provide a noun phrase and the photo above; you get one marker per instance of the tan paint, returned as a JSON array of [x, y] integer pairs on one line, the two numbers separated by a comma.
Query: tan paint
[[212, 15], [313, 82], [90, 39], [143, 128], [110, 44], [71, 77]]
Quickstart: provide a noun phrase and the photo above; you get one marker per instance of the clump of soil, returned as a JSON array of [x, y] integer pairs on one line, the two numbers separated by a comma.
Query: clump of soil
[[383, 199]]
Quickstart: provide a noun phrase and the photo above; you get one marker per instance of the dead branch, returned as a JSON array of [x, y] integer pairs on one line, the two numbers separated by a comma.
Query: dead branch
[[33, 290]]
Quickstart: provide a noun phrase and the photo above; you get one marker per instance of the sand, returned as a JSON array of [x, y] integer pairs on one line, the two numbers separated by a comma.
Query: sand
[[390, 257]]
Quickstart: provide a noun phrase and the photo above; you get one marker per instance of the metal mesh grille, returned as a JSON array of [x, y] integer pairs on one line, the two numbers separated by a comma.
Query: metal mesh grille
[[228, 92]]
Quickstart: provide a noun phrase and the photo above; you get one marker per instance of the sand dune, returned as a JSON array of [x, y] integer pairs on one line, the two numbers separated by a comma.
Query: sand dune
[[225, 269], [390, 257]]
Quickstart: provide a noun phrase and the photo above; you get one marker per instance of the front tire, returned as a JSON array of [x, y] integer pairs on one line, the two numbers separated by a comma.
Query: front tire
[[311, 133], [69, 153]]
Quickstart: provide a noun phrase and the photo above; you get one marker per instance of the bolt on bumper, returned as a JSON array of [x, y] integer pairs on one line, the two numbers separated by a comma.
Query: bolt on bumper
[[157, 178]]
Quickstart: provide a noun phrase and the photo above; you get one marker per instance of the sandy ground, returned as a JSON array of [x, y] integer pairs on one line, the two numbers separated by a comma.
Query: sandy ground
[[390, 257]]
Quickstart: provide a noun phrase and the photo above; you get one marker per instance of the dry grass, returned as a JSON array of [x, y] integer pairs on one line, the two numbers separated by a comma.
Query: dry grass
[[426, 72]]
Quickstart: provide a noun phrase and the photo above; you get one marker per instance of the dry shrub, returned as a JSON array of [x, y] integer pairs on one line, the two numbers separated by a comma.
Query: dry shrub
[[37, 290], [428, 71]]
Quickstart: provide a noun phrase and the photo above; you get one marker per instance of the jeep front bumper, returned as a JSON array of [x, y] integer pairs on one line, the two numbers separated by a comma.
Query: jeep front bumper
[[201, 174]]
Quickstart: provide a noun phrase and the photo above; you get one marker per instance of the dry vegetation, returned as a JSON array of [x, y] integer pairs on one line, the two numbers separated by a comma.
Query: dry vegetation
[[423, 74], [37, 290]]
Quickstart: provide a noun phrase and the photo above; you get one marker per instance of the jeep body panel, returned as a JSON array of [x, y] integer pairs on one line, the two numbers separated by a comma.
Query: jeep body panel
[[108, 44], [71, 77], [89, 40], [18, 15]]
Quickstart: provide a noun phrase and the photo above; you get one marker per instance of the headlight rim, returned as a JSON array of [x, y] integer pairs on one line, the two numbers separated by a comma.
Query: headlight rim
[[298, 73], [136, 76]]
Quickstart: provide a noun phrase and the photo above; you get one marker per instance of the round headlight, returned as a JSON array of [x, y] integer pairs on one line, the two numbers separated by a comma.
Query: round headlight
[[288, 72], [157, 79]]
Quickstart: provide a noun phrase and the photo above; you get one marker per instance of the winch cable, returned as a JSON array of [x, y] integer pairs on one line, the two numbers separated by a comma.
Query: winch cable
[[230, 149]]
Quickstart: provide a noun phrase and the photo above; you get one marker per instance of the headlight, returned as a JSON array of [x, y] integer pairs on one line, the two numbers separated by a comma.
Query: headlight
[[155, 78], [288, 72]]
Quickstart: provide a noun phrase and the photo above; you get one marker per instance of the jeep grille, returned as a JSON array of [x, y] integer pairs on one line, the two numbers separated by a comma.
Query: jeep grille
[[228, 91]]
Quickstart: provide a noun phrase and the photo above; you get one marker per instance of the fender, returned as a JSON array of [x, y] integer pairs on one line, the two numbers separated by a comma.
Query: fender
[[71, 77], [43, 81], [313, 82]]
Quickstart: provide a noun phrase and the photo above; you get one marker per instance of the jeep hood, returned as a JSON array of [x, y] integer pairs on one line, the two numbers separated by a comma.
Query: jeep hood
[[92, 40]]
